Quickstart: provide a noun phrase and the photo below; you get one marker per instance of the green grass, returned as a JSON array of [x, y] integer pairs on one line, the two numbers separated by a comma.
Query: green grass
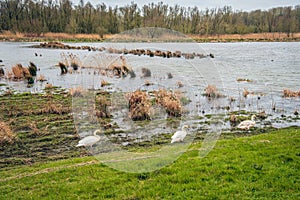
[[264, 166]]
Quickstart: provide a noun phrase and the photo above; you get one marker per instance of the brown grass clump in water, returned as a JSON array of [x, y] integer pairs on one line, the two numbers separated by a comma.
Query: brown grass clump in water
[[48, 86], [169, 101], [102, 107], [245, 93], [20, 72], [104, 83], [290, 93], [243, 80], [6, 134], [212, 92], [63, 68], [52, 108], [41, 78], [139, 106], [146, 72], [77, 92]]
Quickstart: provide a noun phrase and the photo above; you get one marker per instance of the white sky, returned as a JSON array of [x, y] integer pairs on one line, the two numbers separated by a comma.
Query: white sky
[[245, 5]]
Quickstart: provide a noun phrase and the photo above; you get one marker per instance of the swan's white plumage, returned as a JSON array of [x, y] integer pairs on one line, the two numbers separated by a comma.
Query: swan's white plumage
[[180, 135], [247, 124], [89, 140]]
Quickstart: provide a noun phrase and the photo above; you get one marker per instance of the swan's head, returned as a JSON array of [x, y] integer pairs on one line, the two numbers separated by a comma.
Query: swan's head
[[185, 127], [253, 117], [97, 131]]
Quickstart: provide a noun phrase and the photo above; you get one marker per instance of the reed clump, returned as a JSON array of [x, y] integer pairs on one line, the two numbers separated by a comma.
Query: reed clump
[[170, 101], [211, 91], [102, 110], [52, 108], [77, 92], [2, 72], [41, 78], [245, 93], [6, 134], [146, 72], [63, 68], [290, 93], [20, 72], [139, 106], [104, 83], [32, 68]]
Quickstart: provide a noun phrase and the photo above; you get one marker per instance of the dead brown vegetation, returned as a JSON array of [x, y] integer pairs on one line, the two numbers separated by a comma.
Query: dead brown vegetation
[[139, 106], [20, 72], [290, 93], [77, 92], [6, 134], [211, 91], [170, 101]]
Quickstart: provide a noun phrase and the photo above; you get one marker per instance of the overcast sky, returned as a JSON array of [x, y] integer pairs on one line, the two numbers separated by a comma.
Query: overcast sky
[[245, 5]]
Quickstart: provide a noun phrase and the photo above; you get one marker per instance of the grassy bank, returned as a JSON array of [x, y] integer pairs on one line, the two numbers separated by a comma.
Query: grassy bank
[[258, 167], [64, 37]]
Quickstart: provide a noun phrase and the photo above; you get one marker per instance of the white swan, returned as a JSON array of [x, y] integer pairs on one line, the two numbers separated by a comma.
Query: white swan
[[89, 140], [180, 135], [247, 124]]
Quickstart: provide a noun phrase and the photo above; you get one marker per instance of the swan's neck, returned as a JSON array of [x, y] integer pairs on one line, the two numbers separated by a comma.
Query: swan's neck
[[252, 118], [96, 131]]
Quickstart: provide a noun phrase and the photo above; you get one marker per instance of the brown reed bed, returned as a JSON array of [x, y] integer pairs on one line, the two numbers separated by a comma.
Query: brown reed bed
[[6, 134], [290, 93]]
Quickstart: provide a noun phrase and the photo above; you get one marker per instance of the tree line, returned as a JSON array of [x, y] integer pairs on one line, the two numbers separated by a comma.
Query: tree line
[[39, 16]]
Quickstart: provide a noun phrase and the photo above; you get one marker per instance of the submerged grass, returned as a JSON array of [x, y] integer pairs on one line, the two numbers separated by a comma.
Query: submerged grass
[[258, 167]]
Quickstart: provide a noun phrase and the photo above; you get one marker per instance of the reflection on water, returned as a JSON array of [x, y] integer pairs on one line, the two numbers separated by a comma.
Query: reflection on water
[[270, 67]]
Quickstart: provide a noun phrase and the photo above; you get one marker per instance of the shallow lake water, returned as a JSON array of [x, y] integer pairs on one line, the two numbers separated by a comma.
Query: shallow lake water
[[270, 67]]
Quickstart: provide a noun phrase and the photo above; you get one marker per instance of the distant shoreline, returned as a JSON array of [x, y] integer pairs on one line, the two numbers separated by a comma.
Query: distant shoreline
[[8, 36]]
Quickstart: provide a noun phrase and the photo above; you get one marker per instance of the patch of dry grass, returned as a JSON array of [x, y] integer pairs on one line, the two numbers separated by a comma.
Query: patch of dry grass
[[77, 92], [290, 93], [6, 134], [41, 78], [212, 92]]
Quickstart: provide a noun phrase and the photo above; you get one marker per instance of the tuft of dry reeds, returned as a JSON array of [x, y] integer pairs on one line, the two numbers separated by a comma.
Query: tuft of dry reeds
[[6, 134], [63, 68], [243, 80], [245, 93], [104, 83], [102, 107], [179, 84], [170, 101], [212, 92], [77, 92], [41, 78], [170, 76], [2, 73], [21, 72], [32, 69], [139, 106], [146, 72], [51, 108], [290, 93], [48, 86]]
